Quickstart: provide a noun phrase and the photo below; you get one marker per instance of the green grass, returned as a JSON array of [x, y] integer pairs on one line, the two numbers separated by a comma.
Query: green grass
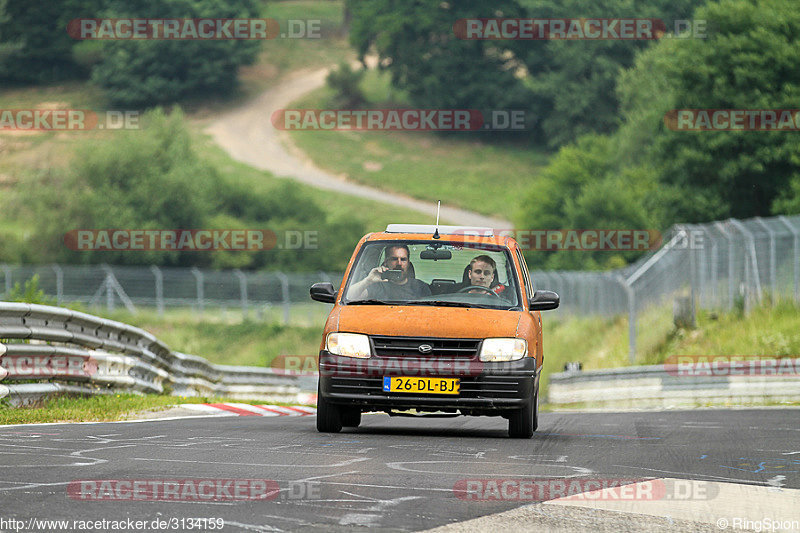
[[226, 339], [603, 342], [460, 169], [68, 95], [375, 216], [108, 407], [770, 331], [331, 47], [280, 56]]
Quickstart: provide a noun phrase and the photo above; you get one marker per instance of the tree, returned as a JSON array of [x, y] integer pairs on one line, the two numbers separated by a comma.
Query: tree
[[582, 189], [646, 175], [416, 43], [747, 62], [145, 73], [155, 179], [34, 44], [573, 81]]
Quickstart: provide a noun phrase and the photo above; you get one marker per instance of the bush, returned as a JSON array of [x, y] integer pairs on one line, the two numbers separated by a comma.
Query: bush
[[147, 73], [154, 179], [345, 82], [29, 293]]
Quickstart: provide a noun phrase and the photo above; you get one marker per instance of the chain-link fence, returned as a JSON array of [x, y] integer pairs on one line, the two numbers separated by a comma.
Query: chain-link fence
[[719, 265], [259, 294]]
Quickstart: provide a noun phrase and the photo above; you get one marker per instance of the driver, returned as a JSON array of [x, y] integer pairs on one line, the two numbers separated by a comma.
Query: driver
[[482, 273], [406, 288]]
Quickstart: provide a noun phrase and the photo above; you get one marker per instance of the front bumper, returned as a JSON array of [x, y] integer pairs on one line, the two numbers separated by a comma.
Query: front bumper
[[485, 388]]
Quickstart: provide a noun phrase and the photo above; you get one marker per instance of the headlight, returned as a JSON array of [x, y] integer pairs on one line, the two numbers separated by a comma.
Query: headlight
[[496, 350], [348, 345]]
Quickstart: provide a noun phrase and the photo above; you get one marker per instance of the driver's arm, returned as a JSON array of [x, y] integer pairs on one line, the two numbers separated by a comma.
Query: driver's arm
[[360, 289]]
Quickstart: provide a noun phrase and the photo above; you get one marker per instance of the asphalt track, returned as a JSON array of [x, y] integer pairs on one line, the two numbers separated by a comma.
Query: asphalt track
[[395, 473]]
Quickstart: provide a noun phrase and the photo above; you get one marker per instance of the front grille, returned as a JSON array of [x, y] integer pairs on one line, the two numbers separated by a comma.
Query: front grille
[[471, 387], [449, 348]]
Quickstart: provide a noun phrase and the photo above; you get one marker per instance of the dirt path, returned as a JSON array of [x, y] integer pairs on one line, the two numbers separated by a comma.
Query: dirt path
[[248, 136]]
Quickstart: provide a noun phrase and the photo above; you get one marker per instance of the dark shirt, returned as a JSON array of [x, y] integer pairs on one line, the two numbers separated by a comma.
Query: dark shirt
[[386, 290]]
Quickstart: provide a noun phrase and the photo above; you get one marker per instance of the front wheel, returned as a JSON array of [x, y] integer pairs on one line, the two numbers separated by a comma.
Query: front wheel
[[351, 417], [523, 422], [329, 416]]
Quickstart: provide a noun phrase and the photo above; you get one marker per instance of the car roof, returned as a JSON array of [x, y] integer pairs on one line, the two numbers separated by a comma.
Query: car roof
[[424, 232]]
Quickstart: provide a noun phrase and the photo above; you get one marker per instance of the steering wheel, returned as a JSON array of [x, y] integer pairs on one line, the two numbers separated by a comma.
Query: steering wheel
[[488, 290]]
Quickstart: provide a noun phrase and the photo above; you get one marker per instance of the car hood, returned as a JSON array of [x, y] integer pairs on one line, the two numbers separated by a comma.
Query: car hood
[[420, 321]]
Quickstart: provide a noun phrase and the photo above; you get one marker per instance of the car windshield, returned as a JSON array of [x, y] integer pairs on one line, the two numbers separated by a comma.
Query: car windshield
[[447, 274]]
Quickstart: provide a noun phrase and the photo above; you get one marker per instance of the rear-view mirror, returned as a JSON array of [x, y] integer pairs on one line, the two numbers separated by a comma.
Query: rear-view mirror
[[436, 255]]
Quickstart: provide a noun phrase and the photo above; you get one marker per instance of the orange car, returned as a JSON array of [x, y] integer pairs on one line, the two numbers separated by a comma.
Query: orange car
[[433, 319]]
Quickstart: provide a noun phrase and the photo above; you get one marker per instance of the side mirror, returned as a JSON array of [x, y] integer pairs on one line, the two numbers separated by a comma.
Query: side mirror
[[544, 300], [323, 292]]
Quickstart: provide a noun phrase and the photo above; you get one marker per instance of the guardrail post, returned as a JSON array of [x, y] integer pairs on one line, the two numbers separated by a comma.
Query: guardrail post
[[7, 271], [3, 373], [59, 283], [111, 286], [557, 286], [159, 289], [107, 288], [692, 268], [721, 227], [242, 290], [198, 276], [714, 264], [753, 258], [796, 255], [631, 317], [285, 293], [773, 274]]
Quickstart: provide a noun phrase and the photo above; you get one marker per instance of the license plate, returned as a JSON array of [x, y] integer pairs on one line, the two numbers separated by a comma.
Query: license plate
[[421, 385]]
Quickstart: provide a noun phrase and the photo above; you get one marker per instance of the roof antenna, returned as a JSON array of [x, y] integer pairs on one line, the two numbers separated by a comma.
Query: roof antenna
[[438, 206]]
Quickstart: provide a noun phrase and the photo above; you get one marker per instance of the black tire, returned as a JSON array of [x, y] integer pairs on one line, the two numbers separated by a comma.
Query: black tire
[[329, 416], [523, 422], [351, 417]]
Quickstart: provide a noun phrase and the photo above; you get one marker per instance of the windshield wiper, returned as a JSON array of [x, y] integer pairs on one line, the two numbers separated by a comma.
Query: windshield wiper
[[441, 303], [372, 302]]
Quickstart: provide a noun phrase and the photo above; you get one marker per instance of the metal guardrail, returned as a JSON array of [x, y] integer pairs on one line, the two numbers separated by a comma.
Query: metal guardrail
[[658, 386], [85, 354]]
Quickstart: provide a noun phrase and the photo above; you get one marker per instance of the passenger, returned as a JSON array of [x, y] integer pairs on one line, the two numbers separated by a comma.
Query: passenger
[[482, 272], [374, 287]]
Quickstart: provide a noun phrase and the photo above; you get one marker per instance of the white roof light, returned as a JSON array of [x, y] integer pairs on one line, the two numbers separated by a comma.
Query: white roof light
[[443, 230]]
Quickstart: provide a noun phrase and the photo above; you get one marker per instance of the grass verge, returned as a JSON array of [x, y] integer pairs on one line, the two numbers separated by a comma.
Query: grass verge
[[101, 408], [374, 215], [227, 340], [461, 168], [599, 342]]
